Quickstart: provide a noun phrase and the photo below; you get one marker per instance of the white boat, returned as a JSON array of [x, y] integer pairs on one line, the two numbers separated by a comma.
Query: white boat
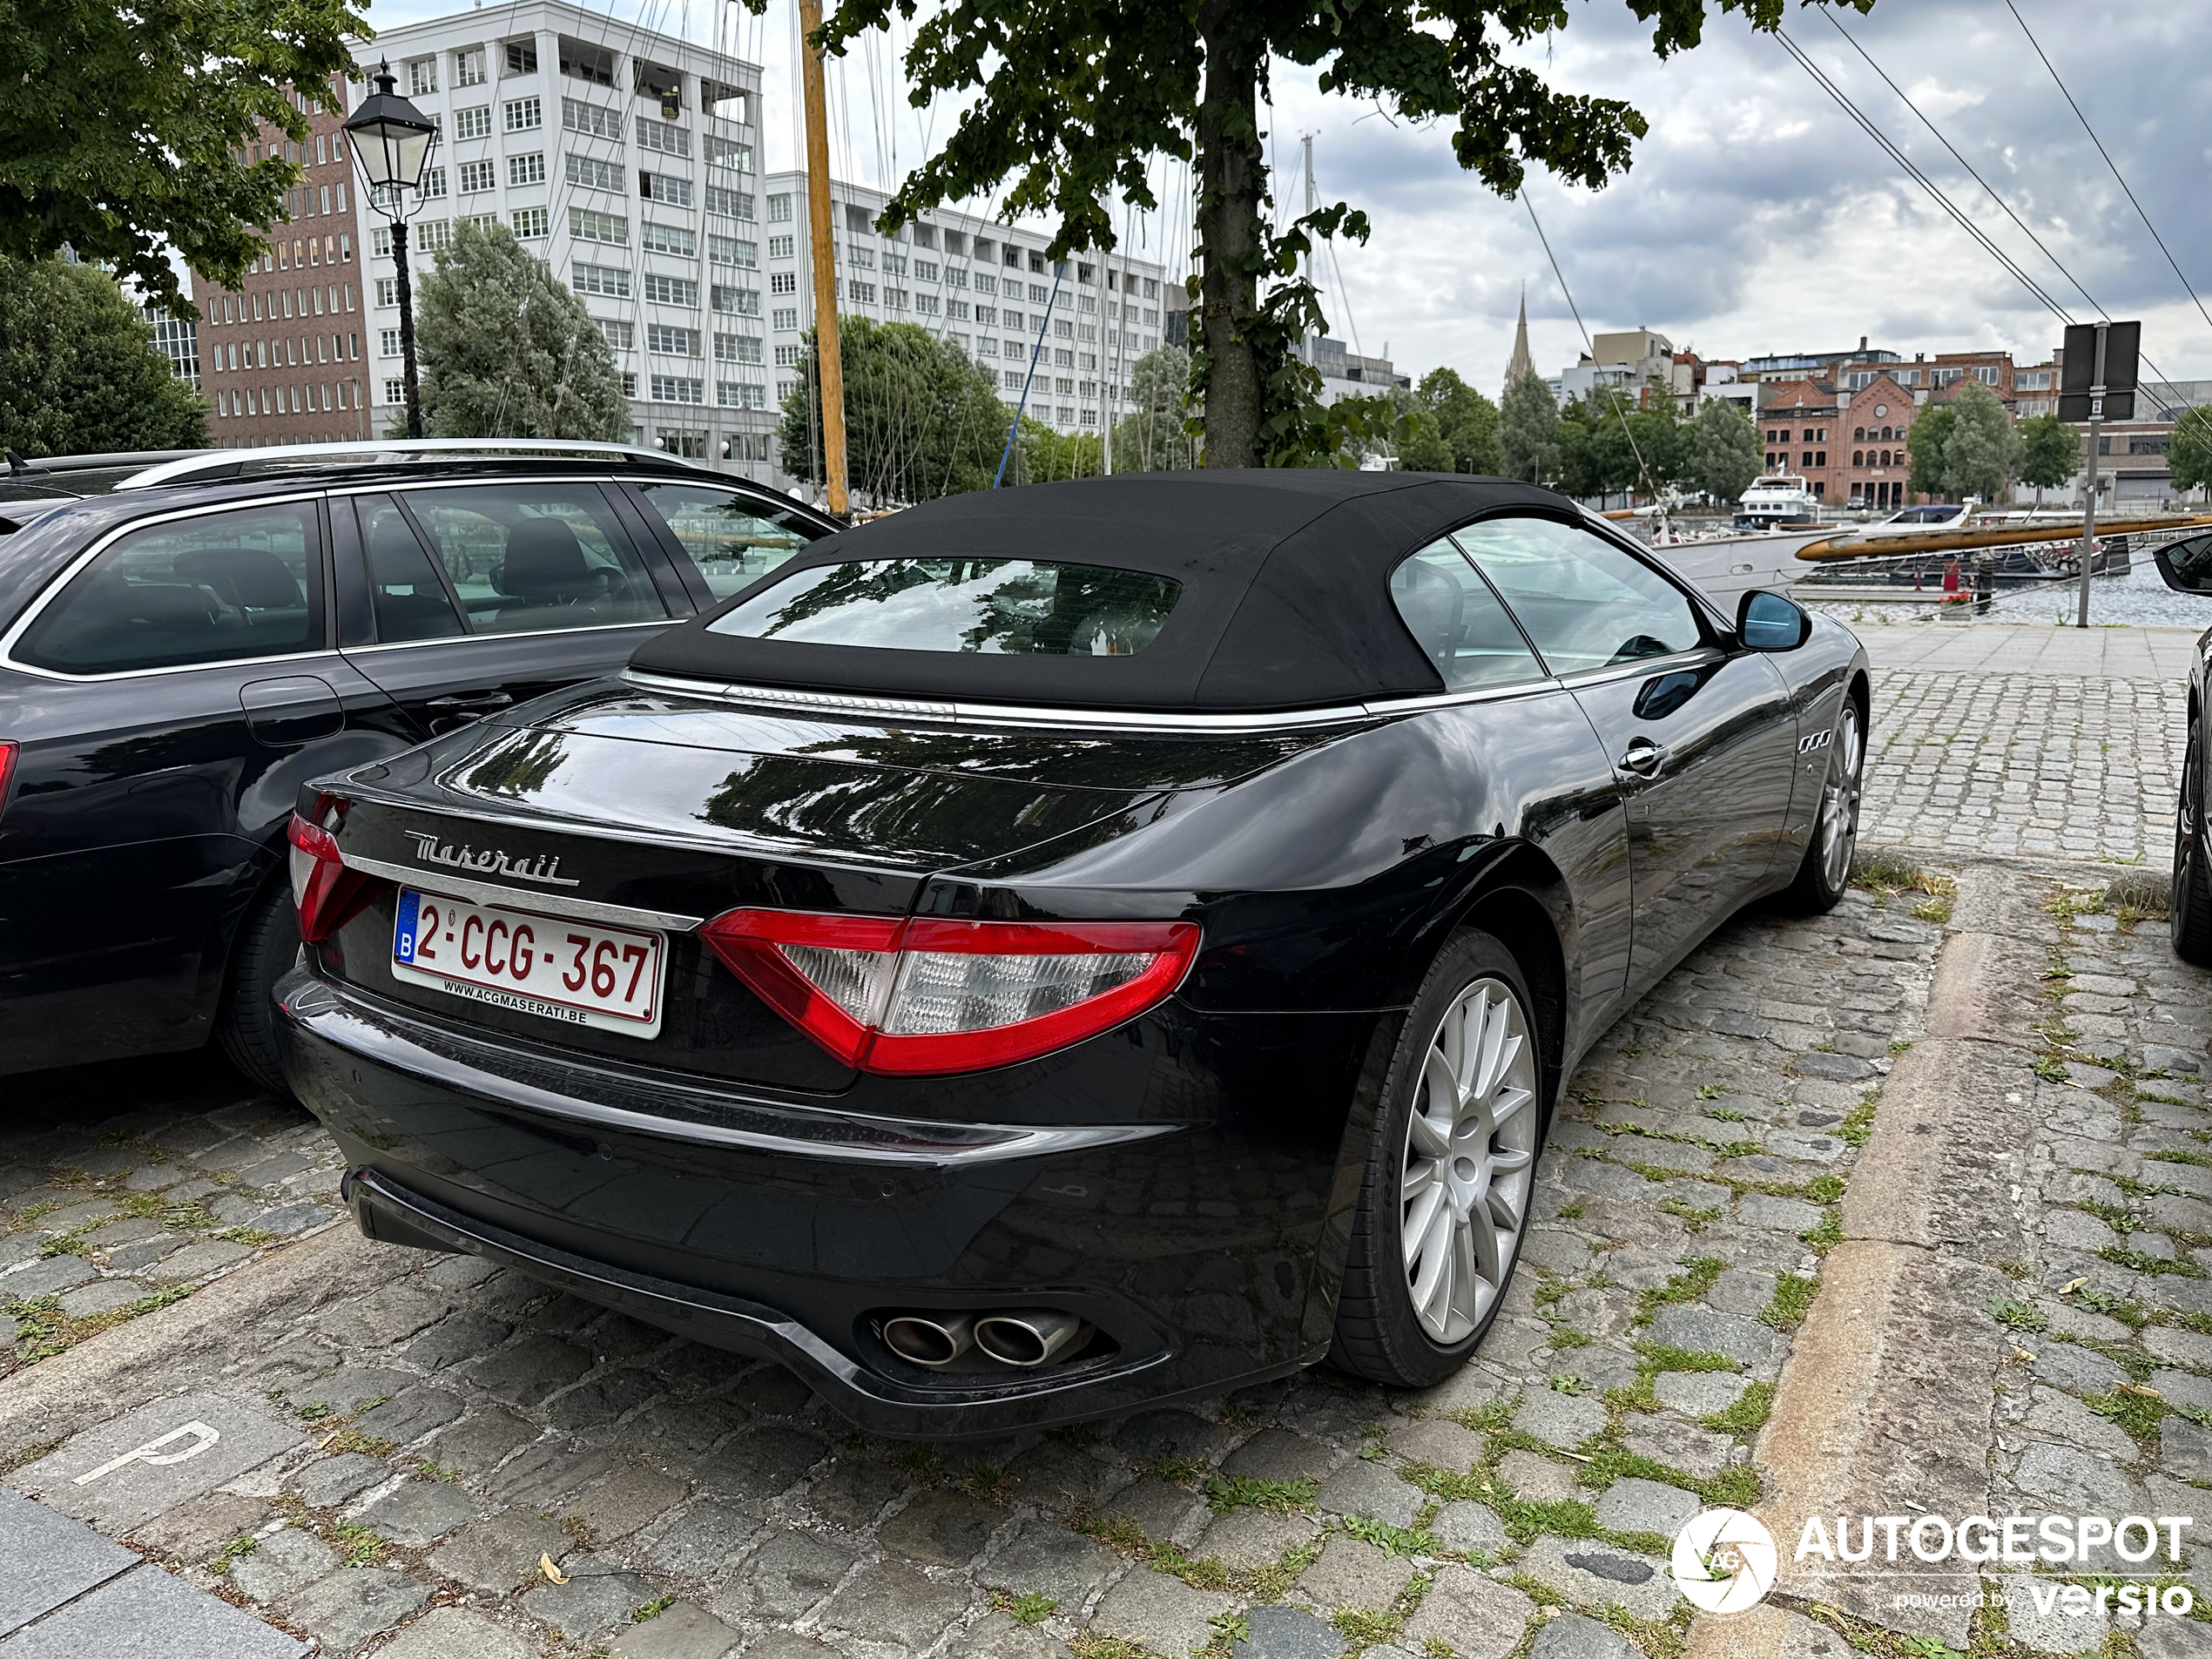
[[1727, 566], [1776, 501]]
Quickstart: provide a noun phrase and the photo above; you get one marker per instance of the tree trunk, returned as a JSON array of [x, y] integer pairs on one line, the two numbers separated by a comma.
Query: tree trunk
[[1230, 170]]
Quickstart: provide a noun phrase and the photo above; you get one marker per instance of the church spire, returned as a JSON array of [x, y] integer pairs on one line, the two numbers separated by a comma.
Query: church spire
[[1520, 362]]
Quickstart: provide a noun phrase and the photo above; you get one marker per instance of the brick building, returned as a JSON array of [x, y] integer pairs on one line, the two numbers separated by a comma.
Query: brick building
[[280, 356], [1797, 420], [1872, 472]]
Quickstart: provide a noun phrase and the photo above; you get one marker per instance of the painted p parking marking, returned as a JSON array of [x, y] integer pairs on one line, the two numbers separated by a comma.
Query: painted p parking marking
[[203, 1438]]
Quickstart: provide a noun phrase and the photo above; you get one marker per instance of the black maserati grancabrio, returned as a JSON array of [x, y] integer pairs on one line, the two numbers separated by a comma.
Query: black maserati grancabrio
[[1057, 950]]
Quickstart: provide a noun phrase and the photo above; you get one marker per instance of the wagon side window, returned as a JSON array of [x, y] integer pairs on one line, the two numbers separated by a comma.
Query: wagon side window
[[1585, 603], [1458, 622]]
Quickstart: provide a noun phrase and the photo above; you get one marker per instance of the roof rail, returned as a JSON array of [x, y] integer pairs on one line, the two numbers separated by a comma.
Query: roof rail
[[230, 463], [19, 466]]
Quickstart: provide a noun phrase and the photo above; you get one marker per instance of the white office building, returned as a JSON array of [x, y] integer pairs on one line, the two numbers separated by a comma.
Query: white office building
[[626, 160], [985, 287]]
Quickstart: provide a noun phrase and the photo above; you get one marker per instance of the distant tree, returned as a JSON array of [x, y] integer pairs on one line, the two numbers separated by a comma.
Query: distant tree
[[508, 352], [2188, 453], [1982, 453], [1528, 431], [1043, 454], [2050, 453], [1467, 421], [1928, 472], [921, 419], [79, 373], [1724, 453], [1424, 448], [1151, 437], [124, 130]]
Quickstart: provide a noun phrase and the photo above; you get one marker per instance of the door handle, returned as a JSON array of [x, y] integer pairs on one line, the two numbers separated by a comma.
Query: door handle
[[477, 703], [1643, 758]]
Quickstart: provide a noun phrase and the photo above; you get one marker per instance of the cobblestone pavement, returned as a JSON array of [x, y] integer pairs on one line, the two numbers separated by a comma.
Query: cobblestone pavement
[[1984, 761], [422, 1452]]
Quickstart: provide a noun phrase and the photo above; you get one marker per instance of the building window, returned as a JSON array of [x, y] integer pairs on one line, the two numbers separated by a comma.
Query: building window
[[473, 122], [925, 305], [745, 301], [526, 170], [672, 342], [591, 173], [740, 394], [783, 282], [387, 292], [779, 248], [522, 58], [731, 204], [1820, 458], [529, 223], [586, 63], [476, 177], [586, 225], [594, 121], [779, 213], [667, 239], [524, 114], [422, 77], [681, 441], [859, 293], [737, 348], [664, 187], [731, 250], [659, 135], [610, 280], [388, 342], [1011, 379], [674, 389], [394, 392], [728, 152], [785, 317], [622, 336], [1857, 459], [745, 446], [468, 66], [787, 357], [434, 184], [672, 291], [629, 388]]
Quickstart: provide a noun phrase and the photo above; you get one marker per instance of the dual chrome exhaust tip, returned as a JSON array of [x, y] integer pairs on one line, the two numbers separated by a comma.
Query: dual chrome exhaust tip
[[1023, 1338]]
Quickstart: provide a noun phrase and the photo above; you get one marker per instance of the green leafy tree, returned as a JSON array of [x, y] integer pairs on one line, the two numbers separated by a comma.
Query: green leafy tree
[[1724, 453], [2050, 453], [1928, 474], [1065, 103], [920, 420], [1981, 453], [1610, 444], [127, 127], [1467, 421], [79, 373], [508, 352], [1152, 437], [2188, 453], [1528, 431], [1424, 448]]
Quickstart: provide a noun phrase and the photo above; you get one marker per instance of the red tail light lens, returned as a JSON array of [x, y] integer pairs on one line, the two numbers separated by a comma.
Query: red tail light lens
[[8, 751], [925, 997], [327, 892]]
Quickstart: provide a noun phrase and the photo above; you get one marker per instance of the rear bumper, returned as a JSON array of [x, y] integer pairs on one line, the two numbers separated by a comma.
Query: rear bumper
[[778, 1227]]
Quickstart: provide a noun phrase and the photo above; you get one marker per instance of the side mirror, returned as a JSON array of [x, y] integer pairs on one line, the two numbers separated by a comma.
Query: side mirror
[[2187, 565], [1769, 621]]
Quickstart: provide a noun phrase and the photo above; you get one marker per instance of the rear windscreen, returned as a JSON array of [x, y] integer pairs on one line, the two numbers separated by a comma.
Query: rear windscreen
[[1023, 607]]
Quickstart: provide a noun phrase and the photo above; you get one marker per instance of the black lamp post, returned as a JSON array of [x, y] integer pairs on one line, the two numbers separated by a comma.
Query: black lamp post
[[392, 141]]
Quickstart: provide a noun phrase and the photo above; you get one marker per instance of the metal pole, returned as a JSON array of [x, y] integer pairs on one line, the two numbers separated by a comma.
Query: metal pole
[[830, 366], [407, 329], [2089, 506]]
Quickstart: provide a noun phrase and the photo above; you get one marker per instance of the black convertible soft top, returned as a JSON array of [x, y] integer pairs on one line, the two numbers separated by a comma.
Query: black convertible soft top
[[1285, 602]]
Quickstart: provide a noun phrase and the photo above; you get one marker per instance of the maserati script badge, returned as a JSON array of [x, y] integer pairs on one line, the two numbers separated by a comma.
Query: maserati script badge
[[490, 861]]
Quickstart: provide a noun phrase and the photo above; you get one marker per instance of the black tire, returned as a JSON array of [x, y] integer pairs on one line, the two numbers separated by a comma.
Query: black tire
[[1824, 873], [267, 946], [2190, 917], [1380, 1334]]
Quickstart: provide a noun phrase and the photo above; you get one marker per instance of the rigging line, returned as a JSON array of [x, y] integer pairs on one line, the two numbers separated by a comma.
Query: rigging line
[[1627, 431], [2025, 227], [2110, 162], [1935, 192]]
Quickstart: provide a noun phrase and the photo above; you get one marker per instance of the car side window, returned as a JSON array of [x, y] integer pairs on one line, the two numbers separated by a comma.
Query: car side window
[[525, 557], [1458, 620], [732, 538], [215, 588], [1584, 602], [410, 601]]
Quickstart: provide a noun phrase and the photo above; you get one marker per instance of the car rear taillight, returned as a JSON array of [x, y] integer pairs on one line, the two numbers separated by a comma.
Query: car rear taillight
[[8, 751], [327, 892], [923, 997]]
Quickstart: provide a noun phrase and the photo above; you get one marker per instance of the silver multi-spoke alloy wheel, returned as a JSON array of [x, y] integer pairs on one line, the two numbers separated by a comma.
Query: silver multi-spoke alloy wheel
[[1470, 1157], [1839, 800]]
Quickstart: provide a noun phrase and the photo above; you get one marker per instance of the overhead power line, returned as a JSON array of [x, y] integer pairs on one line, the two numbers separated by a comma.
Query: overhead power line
[[2110, 162]]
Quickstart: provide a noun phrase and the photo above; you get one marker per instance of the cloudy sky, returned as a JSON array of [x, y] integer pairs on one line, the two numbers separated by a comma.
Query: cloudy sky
[[1757, 217]]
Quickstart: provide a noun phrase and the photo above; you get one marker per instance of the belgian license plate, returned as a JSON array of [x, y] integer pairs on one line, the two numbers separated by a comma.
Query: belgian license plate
[[576, 971]]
